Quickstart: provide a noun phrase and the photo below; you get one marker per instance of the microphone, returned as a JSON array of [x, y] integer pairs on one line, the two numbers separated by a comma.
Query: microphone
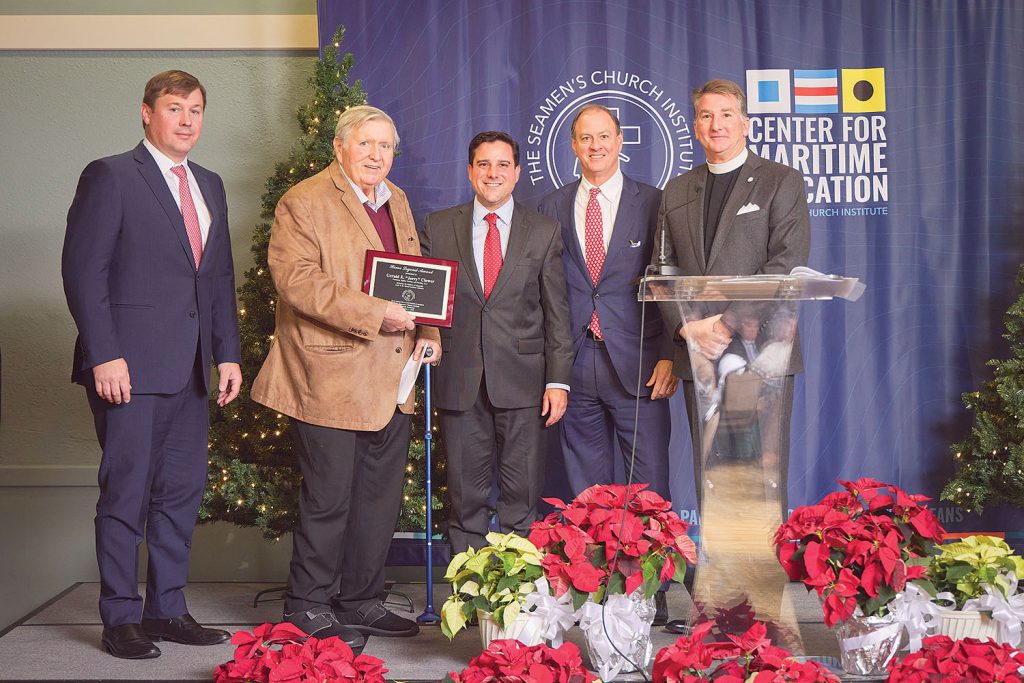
[[662, 267]]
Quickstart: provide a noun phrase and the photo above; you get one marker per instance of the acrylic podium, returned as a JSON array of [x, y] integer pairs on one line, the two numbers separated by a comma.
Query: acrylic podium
[[739, 409]]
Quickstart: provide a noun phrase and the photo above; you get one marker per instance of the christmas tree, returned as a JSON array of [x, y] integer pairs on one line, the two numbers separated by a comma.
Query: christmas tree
[[990, 461], [253, 477]]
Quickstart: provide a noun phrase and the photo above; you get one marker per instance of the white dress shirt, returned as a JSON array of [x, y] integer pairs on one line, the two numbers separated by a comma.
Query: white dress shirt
[[611, 192], [480, 228], [382, 191], [165, 164]]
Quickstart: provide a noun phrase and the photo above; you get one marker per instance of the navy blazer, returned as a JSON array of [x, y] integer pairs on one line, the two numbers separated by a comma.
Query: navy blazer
[[131, 281], [615, 295]]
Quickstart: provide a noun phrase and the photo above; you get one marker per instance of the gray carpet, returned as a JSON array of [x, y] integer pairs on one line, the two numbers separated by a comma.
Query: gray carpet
[[60, 642]]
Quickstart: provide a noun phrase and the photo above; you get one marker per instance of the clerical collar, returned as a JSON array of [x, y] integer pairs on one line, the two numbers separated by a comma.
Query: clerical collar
[[731, 165]]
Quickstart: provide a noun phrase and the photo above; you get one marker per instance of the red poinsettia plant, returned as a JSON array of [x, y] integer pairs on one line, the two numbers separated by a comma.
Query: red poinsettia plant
[[510, 660], [612, 539], [959, 661], [750, 658], [858, 547], [282, 652]]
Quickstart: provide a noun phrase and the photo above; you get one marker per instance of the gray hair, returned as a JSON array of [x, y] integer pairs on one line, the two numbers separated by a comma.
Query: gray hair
[[720, 86], [354, 117]]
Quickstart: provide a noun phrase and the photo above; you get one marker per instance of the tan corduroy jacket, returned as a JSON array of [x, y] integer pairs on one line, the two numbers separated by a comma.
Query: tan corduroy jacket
[[329, 363]]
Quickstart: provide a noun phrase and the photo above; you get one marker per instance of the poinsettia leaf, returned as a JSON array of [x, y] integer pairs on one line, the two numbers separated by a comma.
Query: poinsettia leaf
[[958, 571], [508, 583], [578, 598], [616, 584], [509, 614], [452, 618], [478, 563], [876, 605], [455, 566], [650, 576], [634, 581], [680, 573]]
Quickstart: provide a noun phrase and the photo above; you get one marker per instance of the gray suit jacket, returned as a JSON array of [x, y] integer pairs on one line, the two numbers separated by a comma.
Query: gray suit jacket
[[774, 238], [520, 335]]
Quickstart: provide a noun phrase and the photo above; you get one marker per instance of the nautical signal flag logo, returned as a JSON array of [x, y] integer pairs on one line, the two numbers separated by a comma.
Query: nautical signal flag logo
[[863, 90], [816, 91], [768, 91]]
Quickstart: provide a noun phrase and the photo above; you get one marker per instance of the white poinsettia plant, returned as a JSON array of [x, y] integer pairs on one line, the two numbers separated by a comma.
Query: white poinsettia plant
[[975, 574], [495, 579], [968, 567]]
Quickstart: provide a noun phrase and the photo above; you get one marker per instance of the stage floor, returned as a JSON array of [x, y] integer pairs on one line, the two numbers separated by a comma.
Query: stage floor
[[61, 640]]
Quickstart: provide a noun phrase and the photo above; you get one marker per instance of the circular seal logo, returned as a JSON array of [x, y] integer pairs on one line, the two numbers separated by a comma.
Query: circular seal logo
[[657, 143], [408, 295]]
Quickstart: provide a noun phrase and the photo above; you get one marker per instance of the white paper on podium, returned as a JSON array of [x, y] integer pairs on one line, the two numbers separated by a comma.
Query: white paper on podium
[[851, 290], [408, 380]]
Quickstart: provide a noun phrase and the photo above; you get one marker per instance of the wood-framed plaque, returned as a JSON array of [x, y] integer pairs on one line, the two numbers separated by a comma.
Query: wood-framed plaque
[[423, 286]]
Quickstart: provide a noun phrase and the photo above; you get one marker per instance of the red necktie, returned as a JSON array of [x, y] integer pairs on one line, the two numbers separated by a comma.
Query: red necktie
[[593, 237], [492, 253], [188, 212]]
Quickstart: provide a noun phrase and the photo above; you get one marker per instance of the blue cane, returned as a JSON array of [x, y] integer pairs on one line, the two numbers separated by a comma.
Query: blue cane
[[429, 616]]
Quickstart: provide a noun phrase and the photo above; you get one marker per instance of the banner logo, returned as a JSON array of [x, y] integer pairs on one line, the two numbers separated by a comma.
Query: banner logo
[[863, 90], [657, 144], [830, 125]]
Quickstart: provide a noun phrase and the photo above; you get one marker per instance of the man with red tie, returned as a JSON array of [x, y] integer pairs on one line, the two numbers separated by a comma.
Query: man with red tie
[[508, 353], [150, 283]]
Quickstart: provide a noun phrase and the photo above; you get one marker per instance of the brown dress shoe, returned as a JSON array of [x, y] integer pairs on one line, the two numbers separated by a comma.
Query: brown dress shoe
[[129, 641], [184, 630]]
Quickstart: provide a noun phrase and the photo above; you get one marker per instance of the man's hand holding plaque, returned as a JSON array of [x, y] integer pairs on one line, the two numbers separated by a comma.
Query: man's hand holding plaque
[[425, 287]]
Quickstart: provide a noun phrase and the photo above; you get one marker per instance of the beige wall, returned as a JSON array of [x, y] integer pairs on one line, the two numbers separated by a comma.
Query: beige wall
[[61, 109]]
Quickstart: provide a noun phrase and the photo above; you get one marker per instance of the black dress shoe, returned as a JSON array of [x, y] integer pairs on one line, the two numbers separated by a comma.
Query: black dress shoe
[[320, 622], [678, 626], [129, 641], [184, 630], [660, 609], [374, 619]]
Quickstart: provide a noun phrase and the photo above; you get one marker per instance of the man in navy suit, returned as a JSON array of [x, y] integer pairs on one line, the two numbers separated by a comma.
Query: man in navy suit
[[150, 283], [622, 370]]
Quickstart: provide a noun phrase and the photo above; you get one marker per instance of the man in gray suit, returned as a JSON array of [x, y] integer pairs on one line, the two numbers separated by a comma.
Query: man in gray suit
[[508, 354], [738, 214]]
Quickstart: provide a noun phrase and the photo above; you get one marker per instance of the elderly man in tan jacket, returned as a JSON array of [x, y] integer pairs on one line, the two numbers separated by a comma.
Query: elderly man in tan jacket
[[334, 368]]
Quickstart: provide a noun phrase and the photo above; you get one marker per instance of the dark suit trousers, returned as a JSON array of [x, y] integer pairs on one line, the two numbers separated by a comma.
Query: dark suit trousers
[[601, 412], [478, 441], [151, 482], [348, 506], [773, 429]]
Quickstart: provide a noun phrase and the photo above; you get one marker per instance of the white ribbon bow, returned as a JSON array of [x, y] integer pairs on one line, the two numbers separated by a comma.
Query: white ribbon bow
[[554, 616], [1008, 612], [618, 615], [917, 612]]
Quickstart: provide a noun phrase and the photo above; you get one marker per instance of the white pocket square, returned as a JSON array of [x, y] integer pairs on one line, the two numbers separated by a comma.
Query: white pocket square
[[634, 244], [747, 208]]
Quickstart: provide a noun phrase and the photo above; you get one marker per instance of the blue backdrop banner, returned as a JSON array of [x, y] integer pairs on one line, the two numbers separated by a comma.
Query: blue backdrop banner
[[906, 119]]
